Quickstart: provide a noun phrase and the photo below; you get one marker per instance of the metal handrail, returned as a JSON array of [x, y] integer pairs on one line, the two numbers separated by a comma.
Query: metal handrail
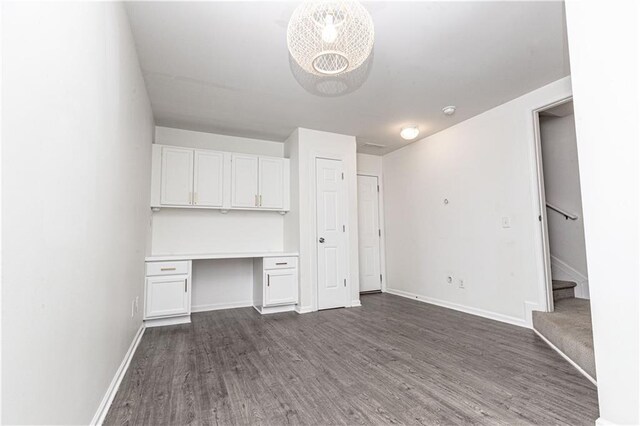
[[564, 213]]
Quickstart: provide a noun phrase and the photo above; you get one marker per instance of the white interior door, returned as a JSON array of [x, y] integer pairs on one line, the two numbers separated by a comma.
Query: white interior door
[[177, 176], [331, 227], [271, 183], [207, 185], [244, 180], [369, 233]]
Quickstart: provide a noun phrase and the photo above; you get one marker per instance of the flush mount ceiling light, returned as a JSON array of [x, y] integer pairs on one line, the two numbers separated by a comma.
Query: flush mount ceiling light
[[409, 132], [449, 110], [330, 37]]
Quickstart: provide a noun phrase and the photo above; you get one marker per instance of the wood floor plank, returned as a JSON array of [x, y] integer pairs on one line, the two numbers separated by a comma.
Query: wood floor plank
[[393, 360]]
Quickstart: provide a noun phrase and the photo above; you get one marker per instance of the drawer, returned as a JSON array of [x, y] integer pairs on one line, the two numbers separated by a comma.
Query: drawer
[[280, 262], [167, 268]]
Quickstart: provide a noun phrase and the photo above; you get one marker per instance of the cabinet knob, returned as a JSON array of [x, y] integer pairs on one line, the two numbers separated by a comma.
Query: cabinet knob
[[321, 240]]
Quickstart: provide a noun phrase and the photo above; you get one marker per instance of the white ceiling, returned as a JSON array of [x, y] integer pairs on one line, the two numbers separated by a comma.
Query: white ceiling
[[223, 67]]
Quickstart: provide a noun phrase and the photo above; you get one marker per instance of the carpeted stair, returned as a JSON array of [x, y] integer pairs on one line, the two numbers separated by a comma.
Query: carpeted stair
[[563, 290], [569, 328]]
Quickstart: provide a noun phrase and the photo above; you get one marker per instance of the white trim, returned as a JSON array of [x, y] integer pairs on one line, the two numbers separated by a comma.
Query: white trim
[[462, 308], [529, 307], [161, 322], [577, 367], [383, 254], [356, 303], [219, 306], [105, 404], [542, 251], [303, 309], [266, 310], [604, 422], [582, 289]]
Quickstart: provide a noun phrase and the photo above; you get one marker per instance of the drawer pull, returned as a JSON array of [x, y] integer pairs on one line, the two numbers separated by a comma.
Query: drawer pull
[[168, 269], [185, 285], [281, 263], [268, 280]]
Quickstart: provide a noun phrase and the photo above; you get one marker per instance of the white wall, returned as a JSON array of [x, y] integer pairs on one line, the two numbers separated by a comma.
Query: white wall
[[303, 147], [562, 189], [605, 70], [483, 167], [369, 164], [77, 132], [202, 140], [222, 283]]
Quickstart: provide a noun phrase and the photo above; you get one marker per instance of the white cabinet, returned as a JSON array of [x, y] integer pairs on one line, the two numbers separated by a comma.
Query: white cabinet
[[191, 177], [258, 182], [275, 284], [244, 180], [199, 178], [208, 178], [271, 183], [177, 176], [167, 292], [282, 287]]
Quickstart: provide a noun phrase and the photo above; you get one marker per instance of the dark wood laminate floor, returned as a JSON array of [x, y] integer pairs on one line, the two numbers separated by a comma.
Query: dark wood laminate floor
[[393, 360]]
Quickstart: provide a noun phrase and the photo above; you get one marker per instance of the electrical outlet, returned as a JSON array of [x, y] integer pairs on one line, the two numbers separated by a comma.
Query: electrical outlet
[[506, 222], [461, 283]]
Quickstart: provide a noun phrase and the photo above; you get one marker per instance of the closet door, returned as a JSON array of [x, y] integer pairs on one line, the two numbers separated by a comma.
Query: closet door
[[177, 177], [271, 182], [208, 179], [244, 180]]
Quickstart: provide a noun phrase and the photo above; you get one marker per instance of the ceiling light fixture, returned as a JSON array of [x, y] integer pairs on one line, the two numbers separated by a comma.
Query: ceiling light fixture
[[409, 132], [330, 37], [449, 110]]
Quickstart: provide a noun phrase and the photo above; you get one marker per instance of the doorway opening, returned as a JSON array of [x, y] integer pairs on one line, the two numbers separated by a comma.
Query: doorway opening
[[567, 324]]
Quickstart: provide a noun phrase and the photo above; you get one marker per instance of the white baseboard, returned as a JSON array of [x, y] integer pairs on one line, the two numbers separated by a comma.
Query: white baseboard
[[603, 422], [467, 309], [303, 309], [565, 271], [577, 367], [105, 404], [161, 322], [219, 306], [356, 303], [529, 307], [274, 309]]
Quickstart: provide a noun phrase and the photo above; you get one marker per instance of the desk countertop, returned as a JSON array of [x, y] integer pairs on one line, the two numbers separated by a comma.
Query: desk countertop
[[201, 256]]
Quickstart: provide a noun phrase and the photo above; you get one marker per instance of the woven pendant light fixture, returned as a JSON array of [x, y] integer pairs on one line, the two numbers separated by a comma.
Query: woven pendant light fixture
[[330, 37]]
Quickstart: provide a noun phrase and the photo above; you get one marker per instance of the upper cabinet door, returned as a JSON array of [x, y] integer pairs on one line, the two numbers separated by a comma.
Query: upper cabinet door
[[271, 194], [177, 176], [208, 179], [244, 180]]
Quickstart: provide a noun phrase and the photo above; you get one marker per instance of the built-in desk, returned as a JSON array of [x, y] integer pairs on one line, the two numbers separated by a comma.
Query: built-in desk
[[168, 284]]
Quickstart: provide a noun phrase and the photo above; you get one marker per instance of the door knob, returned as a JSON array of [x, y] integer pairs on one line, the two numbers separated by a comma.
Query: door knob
[[321, 239]]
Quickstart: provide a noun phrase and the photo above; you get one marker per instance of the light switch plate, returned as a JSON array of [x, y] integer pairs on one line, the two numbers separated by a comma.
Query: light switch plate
[[506, 222]]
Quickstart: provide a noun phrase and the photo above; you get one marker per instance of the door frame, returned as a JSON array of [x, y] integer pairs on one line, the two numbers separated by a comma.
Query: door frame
[[383, 266], [547, 282], [314, 224]]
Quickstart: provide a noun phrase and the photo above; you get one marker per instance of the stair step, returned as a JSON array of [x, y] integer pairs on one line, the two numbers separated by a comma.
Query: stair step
[[568, 328], [560, 284], [563, 290]]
